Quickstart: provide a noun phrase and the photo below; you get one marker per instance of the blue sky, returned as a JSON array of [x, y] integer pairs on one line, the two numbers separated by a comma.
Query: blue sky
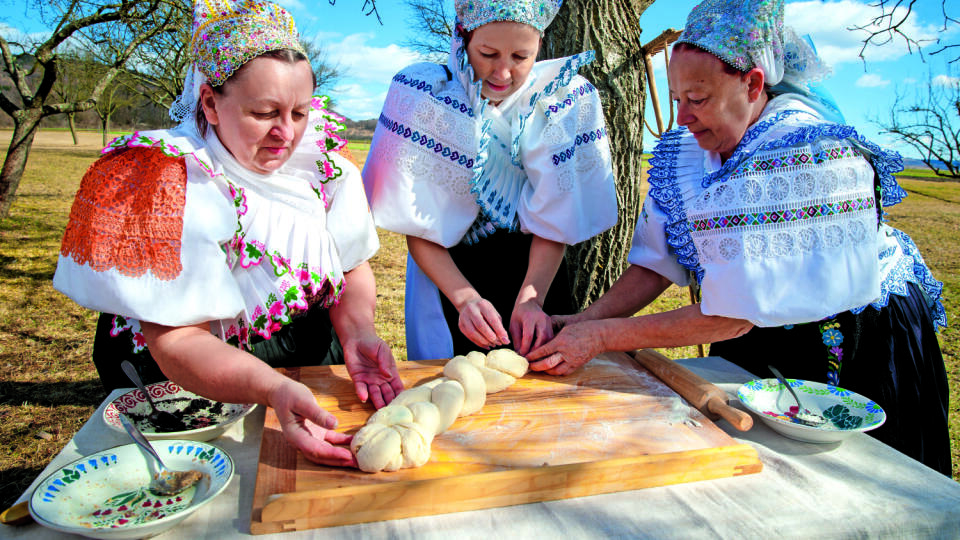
[[370, 53]]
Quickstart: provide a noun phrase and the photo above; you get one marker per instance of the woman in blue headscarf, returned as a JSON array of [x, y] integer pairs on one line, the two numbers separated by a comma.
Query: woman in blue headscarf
[[774, 209]]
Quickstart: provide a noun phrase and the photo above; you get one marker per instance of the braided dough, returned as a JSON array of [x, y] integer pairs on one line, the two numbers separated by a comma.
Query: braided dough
[[399, 435]]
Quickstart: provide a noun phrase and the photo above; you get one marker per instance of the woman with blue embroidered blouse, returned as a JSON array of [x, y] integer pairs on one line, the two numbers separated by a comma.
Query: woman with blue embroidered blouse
[[774, 208], [238, 241], [490, 165]]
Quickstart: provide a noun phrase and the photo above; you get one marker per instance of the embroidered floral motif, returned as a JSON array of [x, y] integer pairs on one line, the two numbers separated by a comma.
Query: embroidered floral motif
[[799, 158], [120, 324]]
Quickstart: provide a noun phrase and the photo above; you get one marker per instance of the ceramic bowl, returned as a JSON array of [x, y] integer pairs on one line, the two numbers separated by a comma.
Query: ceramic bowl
[[106, 495], [847, 412], [208, 419]]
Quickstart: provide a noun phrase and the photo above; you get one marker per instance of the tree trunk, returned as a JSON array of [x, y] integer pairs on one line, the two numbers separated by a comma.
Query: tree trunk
[[610, 28], [25, 126], [105, 128], [71, 121]]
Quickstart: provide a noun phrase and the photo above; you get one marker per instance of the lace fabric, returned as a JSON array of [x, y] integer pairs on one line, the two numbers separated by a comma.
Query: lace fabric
[[128, 215]]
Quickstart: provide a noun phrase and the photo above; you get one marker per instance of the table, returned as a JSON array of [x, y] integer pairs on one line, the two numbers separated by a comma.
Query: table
[[857, 488]]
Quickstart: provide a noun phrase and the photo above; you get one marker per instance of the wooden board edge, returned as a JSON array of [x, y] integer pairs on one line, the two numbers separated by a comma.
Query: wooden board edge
[[281, 466], [395, 500]]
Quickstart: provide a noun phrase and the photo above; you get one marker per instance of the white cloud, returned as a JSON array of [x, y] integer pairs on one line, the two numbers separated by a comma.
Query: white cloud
[[945, 80], [367, 72], [871, 80], [829, 23], [909, 80]]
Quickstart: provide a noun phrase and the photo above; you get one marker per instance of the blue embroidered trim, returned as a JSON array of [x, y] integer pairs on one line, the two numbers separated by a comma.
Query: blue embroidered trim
[[910, 269], [663, 189], [583, 138], [425, 141], [740, 153], [583, 89], [424, 86]]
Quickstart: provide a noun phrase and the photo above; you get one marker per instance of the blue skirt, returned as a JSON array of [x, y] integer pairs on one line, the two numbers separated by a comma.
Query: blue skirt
[[890, 356]]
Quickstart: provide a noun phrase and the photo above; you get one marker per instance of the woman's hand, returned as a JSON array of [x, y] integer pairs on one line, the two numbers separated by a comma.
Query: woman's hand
[[373, 370], [574, 346], [308, 427], [481, 323], [530, 327]]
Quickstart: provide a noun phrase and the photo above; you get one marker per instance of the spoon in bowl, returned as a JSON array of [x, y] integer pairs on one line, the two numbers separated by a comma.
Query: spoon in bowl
[[163, 420], [804, 416], [166, 481]]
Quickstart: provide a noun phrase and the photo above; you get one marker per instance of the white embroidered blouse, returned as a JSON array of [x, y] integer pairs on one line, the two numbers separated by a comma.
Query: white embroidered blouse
[[785, 231]]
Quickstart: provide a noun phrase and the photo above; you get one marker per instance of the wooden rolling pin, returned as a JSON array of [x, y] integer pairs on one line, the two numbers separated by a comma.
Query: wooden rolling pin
[[702, 394]]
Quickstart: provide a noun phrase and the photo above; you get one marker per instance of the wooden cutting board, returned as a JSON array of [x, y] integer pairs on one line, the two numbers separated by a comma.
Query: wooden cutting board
[[611, 426]]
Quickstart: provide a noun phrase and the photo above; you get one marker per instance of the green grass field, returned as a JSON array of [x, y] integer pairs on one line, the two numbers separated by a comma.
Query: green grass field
[[49, 386]]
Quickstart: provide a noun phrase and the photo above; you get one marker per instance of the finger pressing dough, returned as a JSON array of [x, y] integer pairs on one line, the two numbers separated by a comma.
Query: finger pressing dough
[[400, 434]]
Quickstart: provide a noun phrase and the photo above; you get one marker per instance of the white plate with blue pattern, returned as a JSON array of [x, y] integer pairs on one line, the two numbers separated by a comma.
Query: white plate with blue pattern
[[107, 495], [846, 412]]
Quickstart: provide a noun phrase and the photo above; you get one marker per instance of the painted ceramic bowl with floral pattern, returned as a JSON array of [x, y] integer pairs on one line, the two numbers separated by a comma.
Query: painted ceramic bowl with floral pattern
[[203, 419], [846, 412], [107, 494]]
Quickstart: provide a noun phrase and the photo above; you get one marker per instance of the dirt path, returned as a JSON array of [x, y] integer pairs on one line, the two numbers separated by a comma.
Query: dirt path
[[56, 138]]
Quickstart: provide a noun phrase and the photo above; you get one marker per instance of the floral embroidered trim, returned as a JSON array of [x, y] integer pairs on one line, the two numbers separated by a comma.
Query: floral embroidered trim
[[832, 337], [426, 87], [911, 269], [141, 140], [583, 89], [425, 141], [120, 324], [776, 216], [583, 138]]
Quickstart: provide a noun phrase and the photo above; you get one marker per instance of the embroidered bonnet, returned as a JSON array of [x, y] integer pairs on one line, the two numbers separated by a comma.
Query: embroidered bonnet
[[228, 34], [536, 13]]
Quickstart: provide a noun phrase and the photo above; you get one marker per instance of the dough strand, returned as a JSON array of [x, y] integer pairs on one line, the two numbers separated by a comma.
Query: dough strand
[[400, 435]]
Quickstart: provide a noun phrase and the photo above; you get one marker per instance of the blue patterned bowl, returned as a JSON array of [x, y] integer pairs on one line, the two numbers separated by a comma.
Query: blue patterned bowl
[[846, 412], [107, 495]]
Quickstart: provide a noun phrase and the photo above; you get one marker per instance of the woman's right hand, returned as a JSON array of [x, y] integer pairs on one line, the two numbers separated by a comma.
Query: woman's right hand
[[308, 427], [481, 323]]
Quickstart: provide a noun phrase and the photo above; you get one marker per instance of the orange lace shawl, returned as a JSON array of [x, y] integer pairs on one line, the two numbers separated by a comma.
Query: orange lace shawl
[[128, 214]]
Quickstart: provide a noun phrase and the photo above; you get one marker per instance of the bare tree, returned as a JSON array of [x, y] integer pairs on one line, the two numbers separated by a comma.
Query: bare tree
[[930, 123], [327, 72], [435, 22], [889, 25], [77, 77], [124, 92], [116, 28]]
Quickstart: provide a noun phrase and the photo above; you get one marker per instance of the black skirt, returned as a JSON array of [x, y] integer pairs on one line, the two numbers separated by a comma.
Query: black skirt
[[309, 340], [496, 267], [890, 356]]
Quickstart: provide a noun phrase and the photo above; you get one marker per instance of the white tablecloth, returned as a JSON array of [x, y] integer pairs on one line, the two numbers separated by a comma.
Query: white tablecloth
[[858, 488]]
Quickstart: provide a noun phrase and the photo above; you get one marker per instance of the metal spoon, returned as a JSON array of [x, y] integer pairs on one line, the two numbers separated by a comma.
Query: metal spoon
[[163, 420], [804, 415], [166, 481]]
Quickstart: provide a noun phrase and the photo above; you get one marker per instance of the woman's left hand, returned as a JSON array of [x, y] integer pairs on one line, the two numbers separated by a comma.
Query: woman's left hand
[[574, 346], [374, 372], [530, 327]]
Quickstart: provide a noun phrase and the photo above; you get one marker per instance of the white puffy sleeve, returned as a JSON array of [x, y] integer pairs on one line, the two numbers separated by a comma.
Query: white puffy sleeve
[[145, 242], [649, 247], [348, 217], [570, 195], [419, 170]]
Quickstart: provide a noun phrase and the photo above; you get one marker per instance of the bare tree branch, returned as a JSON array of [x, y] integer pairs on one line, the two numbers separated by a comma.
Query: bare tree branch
[[435, 25], [889, 25]]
